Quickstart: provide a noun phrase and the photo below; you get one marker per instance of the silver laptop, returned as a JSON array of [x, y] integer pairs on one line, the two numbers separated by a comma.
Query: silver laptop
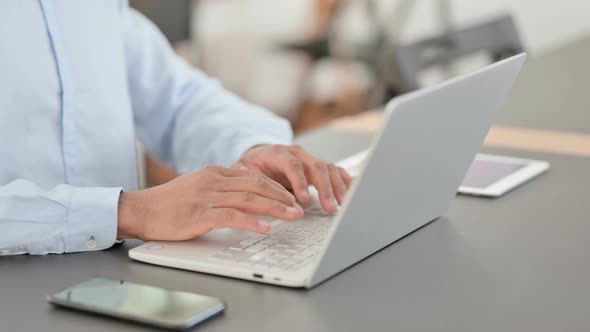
[[414, 167]]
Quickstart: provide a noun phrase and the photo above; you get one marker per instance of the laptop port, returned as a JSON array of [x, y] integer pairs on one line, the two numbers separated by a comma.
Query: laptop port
[[258, 275]]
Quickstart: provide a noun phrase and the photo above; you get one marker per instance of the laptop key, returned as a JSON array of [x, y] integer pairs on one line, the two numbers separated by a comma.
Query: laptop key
[[306, 253], [314, 239], [287, 252], [253, 240], [278, 238], [297, 258], [255, 248], [277, 229], [314, 229], [230, 252], [306, 233], [296, 238], [278, 247], [287, 242], [306, 242], [291, 247], [266, 253], [239, 256], [239, 246], [266, 243]]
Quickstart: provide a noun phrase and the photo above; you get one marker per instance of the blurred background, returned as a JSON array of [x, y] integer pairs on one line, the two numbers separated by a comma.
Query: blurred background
[[312, 61]]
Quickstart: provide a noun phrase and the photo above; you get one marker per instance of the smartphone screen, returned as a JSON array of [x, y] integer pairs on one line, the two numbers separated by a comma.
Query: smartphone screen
[[141, 303]]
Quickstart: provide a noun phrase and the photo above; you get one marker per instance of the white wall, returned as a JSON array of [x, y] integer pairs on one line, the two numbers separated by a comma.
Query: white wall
[[544, 24], [238, 37], [238, 41]]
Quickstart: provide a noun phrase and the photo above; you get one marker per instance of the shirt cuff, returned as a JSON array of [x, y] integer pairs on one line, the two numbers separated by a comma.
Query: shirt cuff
[[92, 219]]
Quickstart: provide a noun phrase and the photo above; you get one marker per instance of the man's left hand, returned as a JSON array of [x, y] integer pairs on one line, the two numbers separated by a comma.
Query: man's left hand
[[296, 169]]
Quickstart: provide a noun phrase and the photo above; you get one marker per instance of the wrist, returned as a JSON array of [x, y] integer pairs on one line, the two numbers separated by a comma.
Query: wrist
[[127, 216]]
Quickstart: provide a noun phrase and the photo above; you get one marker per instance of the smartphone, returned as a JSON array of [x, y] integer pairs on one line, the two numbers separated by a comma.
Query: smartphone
[[139, 303]]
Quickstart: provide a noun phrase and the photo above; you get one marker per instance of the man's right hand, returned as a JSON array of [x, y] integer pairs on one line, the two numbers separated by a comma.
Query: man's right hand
[[196, 203]]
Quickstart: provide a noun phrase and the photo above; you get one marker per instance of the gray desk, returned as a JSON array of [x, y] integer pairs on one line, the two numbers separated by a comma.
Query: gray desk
[[519, 263]]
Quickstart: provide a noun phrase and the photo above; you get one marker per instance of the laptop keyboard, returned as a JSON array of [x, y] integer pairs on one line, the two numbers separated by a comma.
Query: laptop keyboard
[[288, 246]]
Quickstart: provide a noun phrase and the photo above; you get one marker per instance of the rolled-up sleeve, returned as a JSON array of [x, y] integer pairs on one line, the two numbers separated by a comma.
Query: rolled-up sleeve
[[64, 219], [183, 117]]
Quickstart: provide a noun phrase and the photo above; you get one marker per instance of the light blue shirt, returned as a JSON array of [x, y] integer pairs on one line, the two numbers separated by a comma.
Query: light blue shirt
[[80, 81]]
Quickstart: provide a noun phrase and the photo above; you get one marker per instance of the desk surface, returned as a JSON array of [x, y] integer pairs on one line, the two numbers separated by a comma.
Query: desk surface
[[518, 263]]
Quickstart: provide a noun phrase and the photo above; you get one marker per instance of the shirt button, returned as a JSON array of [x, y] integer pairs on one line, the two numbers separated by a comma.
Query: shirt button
[[91, 243], [69, 124]]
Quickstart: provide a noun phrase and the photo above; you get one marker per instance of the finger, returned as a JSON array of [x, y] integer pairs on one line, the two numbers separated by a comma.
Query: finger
[[257, 185], [251, 203], [235, 172], [254, 172], [320, 176], [294, 170], [243, 171], [215, 218], [345, 176], [224, 217], [338, 184]]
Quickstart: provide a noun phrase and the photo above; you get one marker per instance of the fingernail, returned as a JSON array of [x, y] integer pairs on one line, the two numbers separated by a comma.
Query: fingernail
[[304, 194], [292, 210], [264, 225], [334, 204]]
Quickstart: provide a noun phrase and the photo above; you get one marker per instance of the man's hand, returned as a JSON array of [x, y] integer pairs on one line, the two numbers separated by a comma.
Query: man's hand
[[295, 169], [194, 204]]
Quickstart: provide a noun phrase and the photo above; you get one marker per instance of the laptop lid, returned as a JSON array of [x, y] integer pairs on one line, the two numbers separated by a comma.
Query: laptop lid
[[416, 163]]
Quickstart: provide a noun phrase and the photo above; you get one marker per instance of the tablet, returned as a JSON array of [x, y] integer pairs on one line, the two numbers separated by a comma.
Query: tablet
[[489, 175], [493, 176]]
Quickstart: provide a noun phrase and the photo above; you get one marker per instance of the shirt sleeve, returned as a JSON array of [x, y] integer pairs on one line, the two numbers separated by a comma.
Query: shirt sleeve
[[64, 219], [183, 117]]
